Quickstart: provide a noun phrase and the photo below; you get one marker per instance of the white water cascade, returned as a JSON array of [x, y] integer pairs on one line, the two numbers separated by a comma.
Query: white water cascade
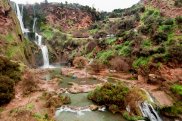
[[148, 110], [44, 51], [20, 18], [34, 21]]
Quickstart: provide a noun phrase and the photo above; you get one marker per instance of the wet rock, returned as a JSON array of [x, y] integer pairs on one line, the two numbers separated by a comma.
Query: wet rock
[[81, 88], [155, 79], [93, 107]]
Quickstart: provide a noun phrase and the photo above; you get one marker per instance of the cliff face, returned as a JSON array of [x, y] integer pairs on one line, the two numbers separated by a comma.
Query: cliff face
[[12, 43], [62, 16]]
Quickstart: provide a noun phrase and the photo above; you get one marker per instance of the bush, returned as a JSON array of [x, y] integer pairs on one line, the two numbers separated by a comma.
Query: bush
[[80, 62], [111, 95], [96, 66], [174, 110], [127, 25], [105, 56], [145, 30], [9, 75], [90, 46], [7, 91], [159, 37], [178, 3], [140, 62], [179, 19], [124, 49], [169, 21], [101, 34], [175, 52], [10, 69], [29, 83], [177, 89], [119, 64], [166, 28]]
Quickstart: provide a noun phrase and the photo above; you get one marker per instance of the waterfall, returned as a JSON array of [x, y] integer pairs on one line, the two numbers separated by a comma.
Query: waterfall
[[20, 18], [44, 51], [34, 22], [149, 112]]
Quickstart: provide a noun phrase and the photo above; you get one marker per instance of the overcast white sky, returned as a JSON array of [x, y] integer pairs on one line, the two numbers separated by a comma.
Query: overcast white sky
[[106, 5]]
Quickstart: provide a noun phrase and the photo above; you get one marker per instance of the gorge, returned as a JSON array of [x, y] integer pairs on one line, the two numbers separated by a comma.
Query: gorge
[[69, 62]]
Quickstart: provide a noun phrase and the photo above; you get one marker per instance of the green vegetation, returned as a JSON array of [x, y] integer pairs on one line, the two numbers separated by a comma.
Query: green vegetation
[[9, 75], [104, 56], [177, 89], [141, 62], [124, 49], [112, 95], [174, 110], [128, 117]]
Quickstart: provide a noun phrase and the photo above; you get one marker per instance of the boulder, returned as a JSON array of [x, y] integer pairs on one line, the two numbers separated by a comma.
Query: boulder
[[155, 79], [93, 107]]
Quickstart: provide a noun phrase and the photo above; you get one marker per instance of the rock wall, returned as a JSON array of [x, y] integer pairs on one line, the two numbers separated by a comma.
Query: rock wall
[[12, 42]]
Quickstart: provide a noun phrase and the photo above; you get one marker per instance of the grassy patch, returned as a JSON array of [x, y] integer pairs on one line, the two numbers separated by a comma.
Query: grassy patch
[[124, 49], [104, 56], [146, 44], [140, 62], [177, 89], [128, 117], [174, 110]]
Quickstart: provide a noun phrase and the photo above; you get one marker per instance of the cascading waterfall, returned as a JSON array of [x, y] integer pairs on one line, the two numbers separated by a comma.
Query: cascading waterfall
[[20, 18], [34, 21], [43, 49], [148, 110], [37, 36]]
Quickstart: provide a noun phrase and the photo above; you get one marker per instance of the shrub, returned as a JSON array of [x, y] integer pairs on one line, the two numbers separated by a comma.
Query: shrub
[[127, 25], [159, 37], [166, 28], [124, 49], [29, 83], [169, 21], [109, 94], [6, 89], [175, 52], [102, 44], [145, 30], [179, 19], [101, 34], [130, 36], [90, 46], [10, 69], [119, 64], [140, 62], [178, 3], [55, 100], [129, 117], [105, 56], [174, 110], [96, 66], [177, 89], [80, 62]]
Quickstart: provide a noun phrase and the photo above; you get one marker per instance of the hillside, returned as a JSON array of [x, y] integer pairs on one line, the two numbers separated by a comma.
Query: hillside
[[12, 42]]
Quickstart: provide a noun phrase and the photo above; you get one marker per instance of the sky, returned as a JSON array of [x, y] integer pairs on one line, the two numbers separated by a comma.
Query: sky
[[101, 5]]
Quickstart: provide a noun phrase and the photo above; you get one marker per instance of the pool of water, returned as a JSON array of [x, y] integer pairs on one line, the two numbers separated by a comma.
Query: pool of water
[[85, 81], [80, 100]]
